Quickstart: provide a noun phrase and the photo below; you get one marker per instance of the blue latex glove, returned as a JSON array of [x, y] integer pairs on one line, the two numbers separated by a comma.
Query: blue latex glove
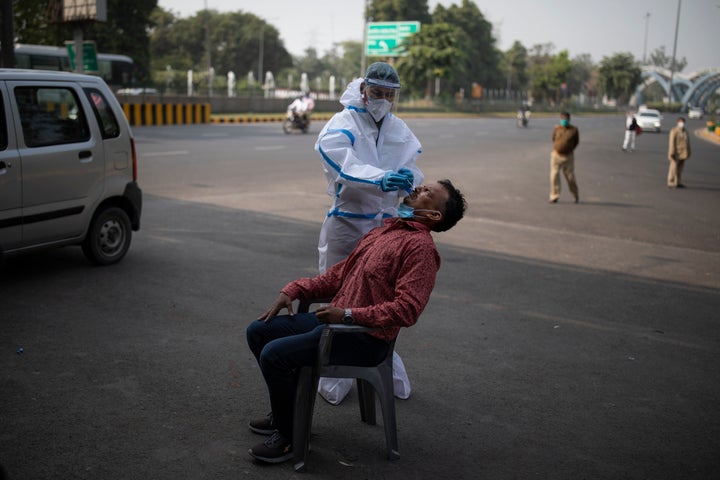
[[408, 175], [392, 181], [409, 179]]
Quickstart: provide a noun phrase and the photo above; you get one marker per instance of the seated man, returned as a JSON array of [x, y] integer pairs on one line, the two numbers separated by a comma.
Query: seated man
[[384, 283]]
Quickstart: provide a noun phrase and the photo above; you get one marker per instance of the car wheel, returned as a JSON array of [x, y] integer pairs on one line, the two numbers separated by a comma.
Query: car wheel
[[108, 238]]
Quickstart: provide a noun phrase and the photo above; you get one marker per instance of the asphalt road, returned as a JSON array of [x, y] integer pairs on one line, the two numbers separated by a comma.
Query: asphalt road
[[562, 341]]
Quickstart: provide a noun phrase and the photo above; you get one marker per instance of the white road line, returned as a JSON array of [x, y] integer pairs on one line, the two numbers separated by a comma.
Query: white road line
[[271, 147], [164, 154]]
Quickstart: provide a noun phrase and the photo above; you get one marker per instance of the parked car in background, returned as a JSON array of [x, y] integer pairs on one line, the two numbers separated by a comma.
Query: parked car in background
[[68, 166], [649, 119], [695, 112]]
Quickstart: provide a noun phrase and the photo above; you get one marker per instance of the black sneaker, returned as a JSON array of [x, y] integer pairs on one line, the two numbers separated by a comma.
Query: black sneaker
[[263, 426], [276, 449]]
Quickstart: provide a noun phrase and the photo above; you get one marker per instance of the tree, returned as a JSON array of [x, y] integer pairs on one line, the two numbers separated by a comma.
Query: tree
[[659, 58], [310, 63], [548, 72], [515, 66], [124, 32], [164, 40], [619, 75], [581, 68], [31, 22], [398, 10], [234, 39], [478, 44], [344, 67], [434, 52]]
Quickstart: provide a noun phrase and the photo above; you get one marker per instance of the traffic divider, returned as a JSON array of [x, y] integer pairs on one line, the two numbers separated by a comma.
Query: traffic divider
[[245, 118], [139, 114]]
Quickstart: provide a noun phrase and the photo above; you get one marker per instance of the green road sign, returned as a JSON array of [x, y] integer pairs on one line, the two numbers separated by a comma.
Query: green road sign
[[384, 38], [89, 56]]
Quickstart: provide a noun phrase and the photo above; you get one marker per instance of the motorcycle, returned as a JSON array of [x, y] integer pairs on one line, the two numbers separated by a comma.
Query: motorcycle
[[296, 121], [522, 119]]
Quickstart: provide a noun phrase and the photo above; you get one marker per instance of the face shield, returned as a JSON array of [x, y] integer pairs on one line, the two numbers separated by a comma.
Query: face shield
[[380, 96], [382, 88]]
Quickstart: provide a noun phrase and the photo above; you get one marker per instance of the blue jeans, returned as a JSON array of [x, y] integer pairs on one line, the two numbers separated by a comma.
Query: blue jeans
[[285, 344]]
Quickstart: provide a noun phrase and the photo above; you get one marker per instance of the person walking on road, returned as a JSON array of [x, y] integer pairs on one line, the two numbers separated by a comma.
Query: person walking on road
[[565, 138], [678, 152], [631, 128]]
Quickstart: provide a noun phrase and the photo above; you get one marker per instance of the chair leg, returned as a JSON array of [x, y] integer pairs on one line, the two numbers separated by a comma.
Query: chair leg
[[387, 403], [390, 421], [302, 417], [366, 396]]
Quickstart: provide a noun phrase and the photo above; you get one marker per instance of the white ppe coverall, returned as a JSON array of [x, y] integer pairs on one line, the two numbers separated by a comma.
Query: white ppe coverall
[[355, 156], [629, 134]]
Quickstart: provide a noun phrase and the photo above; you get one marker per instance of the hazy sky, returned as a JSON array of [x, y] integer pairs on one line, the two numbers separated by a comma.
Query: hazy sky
[[598, 27]]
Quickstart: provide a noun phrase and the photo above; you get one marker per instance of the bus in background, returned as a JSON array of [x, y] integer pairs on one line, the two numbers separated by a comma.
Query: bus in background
[[118, 71]]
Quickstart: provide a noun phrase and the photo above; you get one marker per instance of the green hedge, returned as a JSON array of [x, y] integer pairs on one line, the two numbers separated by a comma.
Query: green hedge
[[665, 107]]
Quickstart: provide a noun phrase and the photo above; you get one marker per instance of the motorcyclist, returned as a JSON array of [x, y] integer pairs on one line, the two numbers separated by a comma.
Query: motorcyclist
[[300, 109], [523, 115], [308, 104]]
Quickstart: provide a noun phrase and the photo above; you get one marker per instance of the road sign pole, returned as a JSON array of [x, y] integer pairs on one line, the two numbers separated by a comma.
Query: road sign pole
[[79, 66]]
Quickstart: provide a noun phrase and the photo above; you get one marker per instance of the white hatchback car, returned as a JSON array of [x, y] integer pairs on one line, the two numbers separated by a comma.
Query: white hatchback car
[[649, 119], [68, 166], [695, 112]]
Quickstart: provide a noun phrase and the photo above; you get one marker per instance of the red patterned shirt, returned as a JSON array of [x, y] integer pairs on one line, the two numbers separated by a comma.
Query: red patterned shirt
[[386, 280]]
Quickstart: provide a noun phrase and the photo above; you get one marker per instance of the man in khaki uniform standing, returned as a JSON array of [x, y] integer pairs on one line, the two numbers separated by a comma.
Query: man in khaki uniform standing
[[678, 152], [565, 139]]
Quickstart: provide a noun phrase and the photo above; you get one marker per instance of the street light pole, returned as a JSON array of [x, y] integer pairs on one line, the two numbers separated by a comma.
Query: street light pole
[[672, 65], [647, 22], [363, 55], [261, 53], [207, 46]]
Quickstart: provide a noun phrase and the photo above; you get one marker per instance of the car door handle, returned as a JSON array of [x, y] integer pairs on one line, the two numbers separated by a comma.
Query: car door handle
[[85, 156], [4, 166]]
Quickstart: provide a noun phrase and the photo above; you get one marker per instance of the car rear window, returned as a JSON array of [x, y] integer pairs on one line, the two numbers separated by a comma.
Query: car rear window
[[51, 116], [104, 114]]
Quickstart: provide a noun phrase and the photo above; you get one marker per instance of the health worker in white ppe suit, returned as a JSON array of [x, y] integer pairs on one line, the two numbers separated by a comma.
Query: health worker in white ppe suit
[[369, 156]]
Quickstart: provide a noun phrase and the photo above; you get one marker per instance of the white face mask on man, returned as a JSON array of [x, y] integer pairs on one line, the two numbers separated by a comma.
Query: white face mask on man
[[681, 124], [378, 107]]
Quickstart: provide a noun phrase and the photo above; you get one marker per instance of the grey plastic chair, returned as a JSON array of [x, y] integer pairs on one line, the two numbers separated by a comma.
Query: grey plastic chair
[[370, 380]]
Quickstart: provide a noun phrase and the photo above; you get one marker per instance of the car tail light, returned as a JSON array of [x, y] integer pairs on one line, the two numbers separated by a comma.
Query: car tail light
[[134, 159]]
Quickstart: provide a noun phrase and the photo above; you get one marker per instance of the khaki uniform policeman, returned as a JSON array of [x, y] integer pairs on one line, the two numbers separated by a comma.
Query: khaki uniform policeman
[[565, 139], [678, 152]]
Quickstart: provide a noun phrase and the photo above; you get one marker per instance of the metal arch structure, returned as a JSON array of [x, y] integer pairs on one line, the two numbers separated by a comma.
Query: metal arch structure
[[693, 89]]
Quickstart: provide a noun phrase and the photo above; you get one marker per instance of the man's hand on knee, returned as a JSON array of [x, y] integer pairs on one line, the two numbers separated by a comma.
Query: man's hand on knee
[[283, 301]]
